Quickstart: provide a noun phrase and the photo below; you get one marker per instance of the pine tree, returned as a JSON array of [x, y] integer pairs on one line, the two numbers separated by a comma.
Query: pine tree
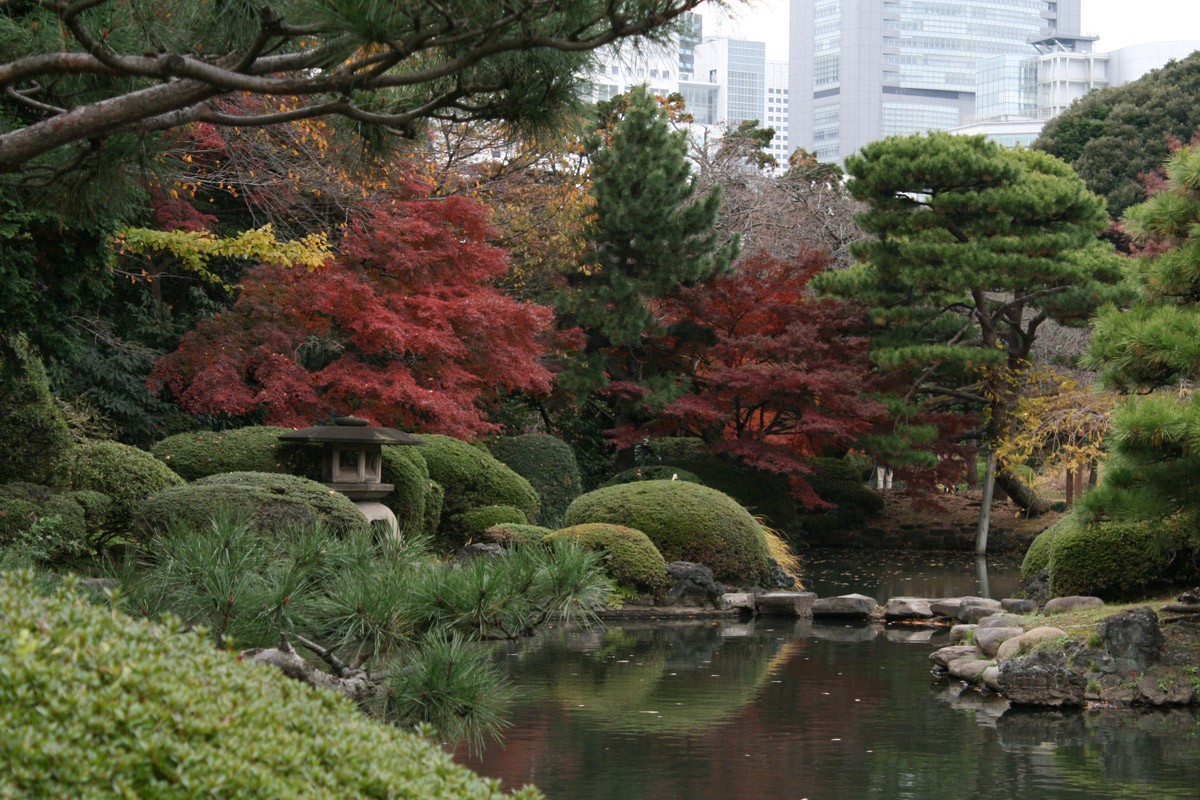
[[650, 234], [975, 247]]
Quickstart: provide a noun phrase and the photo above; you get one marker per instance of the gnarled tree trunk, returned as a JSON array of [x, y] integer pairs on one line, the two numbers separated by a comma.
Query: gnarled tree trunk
[[1032, 503]]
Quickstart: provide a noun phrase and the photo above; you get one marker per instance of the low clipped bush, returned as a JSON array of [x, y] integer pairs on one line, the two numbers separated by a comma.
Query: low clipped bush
[[89, 691], [686, 522], [472, 477], [1120, 558], [470, 525], [1037, 556], [52, 525], [126, 474], [653, 472], [548, 463], [514, 533], [269, 500], [198, 454], [633, 560]]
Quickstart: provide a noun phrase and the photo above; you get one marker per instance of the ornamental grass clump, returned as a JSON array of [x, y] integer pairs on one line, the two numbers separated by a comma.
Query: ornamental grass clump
[[97, 705]]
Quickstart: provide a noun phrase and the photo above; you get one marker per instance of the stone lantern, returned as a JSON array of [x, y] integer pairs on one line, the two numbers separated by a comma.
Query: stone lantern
[[352, 462]]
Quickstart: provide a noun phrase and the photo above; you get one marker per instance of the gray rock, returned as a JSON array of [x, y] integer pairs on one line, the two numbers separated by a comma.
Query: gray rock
[[785, 604], [692, 585], [991, 677], [1041, 679], [946, 607], [1014, 605], [943, 657], [973, 612], [970, 669], [850, 606], [1001, 621], [989, 639], [960, 633], [473, 551], [1154, 692], [743, 601], [1060, 604], [907, 608], [779, 579], [1133, 638]]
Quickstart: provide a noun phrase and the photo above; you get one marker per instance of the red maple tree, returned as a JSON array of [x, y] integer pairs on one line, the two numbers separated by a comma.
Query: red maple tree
[[783, 376], [403, 327]]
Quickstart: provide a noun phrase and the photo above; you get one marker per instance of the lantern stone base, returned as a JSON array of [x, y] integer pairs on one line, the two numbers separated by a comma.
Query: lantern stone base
[[378, 512]]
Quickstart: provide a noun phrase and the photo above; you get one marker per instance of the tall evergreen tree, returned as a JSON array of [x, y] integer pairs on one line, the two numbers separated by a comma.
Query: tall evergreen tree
[[650, 233], [1155, 345], [974, 248]]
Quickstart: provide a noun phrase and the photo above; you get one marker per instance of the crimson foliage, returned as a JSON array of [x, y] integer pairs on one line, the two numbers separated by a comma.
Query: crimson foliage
[[781, 377], [403, 327]]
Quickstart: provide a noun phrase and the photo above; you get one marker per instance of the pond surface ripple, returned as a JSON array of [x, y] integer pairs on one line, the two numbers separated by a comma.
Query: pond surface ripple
[[725, 709]]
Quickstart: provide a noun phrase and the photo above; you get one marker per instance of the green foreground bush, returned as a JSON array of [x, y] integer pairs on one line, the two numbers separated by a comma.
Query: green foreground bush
[[99, 705], [686, 522], [1121, 558], [269, 500], [52, 525], [633, 560]]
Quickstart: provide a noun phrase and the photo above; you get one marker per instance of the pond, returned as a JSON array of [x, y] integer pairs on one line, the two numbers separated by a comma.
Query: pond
[[727, 709]]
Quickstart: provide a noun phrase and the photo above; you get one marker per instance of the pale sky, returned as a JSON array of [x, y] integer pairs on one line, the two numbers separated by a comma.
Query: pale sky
[[1117, 22]]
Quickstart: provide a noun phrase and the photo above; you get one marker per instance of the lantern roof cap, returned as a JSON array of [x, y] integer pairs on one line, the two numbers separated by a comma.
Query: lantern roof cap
[[350, 430]]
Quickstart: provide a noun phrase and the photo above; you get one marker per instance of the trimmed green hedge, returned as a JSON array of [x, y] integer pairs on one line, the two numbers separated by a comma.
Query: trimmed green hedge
[[405, 469], [198, 454], [511, 532], [126, 474], [99, 706], [633, 560], [1037, 556], [80, 525], [1121, 558], [653, 472], [548, 463], [686, 522], [270, 500], [473, 477], [470, 525]]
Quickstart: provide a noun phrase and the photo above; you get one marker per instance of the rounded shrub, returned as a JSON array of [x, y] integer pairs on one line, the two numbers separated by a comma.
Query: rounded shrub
[[1037, 556], [1110, 558], [633, 560], [89, 690], [198, 454], [470, 525], [405, 469], [472, 477], [514, 533], [653, 472], [548, 463], [686, 522], [126, 474], [52, 525], [269, 500]]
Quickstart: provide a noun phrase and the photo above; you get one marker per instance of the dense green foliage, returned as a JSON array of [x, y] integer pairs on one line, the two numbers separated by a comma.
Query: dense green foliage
[[838, 482], [1119, 558], [509, 533], [270, 500], [473, 477], [974, 247], [653, 472], [88, 690], [470, 525], [411, 498], [633, 560], [548, 463], [124, 473], [198, 454], [1113, 136], [686, 522], [34, 435], [52, 525], [1037, 556]]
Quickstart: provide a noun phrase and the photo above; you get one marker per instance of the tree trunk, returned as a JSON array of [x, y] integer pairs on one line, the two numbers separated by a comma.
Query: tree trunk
[[1029, 501], [985, 506], [1070, 487]]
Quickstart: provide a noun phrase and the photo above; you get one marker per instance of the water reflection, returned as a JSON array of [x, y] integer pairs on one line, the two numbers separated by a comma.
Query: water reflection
[[826, 712], [904, 574]]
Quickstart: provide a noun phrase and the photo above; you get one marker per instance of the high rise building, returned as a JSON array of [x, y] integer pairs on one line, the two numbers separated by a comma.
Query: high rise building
[[862, 70]]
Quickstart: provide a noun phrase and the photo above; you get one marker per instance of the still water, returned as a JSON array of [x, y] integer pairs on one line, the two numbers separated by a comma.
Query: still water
[[725, 709]]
